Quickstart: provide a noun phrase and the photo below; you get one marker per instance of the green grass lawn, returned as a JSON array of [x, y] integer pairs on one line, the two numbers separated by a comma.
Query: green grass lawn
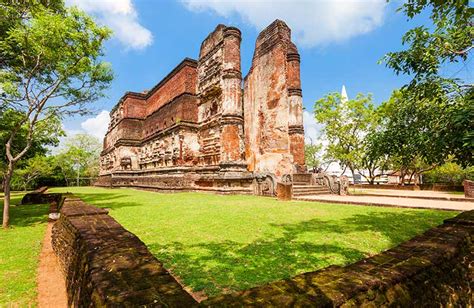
[[19, 250], [220, 243]]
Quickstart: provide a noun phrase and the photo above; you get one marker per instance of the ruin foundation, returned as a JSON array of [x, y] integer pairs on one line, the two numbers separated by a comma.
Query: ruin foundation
[[203, 128]]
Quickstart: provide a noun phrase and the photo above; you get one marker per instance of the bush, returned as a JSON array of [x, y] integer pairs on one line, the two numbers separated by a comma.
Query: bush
[[449, 173]]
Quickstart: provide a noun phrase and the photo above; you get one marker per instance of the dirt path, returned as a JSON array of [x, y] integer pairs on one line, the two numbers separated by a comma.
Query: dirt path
[[392, 201], [426, 194], [51, 285]]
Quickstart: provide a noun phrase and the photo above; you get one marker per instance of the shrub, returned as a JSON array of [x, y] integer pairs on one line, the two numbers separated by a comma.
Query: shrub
[[449, 173]]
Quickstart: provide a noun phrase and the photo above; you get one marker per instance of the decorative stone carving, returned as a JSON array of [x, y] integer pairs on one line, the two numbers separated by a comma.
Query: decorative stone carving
[[199, 126]]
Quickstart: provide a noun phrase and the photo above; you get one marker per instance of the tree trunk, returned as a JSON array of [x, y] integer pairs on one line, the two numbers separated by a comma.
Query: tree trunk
[[6, 199], [353, 175], [77, 182], [402, 177]]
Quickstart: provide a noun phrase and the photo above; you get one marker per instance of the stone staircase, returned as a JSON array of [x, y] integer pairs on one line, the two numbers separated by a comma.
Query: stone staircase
[[302, 186]]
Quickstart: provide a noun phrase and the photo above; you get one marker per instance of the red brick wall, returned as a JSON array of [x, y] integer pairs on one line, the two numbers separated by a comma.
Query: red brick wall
[[134, 107], [184, 108], [184, 80]]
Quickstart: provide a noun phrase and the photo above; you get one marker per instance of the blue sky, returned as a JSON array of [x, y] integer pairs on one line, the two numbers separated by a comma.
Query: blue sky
[[339, 41]]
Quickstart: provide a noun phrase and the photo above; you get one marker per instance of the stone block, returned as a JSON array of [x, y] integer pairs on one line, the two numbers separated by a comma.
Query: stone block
[[468, 188], [284, 191]]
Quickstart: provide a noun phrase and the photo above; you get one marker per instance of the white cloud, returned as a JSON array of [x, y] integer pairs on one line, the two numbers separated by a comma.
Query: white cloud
[[312, 129], [121, 17], [313, 22], [97, 126]]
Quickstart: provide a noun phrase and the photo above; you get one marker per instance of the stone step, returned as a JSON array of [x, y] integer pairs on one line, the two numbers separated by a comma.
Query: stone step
[[310, 193], [310, 188], [301, 183]]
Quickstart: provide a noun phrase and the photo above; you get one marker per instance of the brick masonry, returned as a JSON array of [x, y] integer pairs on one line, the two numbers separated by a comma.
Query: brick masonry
[[105, 265], [201, 128], [468, 189]]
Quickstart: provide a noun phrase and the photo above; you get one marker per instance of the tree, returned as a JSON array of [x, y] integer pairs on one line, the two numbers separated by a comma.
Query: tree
[[65, 165], [346, 124], [312, 155], [374, 160], [444, 103], [449, 173], [44, 136], [53, 69], [81, 154], [448, 41], [13, 13], [415, 133], [34, 168]]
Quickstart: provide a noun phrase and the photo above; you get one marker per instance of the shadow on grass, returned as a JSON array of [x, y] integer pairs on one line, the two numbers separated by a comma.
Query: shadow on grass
[[25, 215], [230, 266], [107, 200]]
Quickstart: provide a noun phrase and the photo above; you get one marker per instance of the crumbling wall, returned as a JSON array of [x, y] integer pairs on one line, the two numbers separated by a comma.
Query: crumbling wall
[[273, 104], [107, 266], [183, 79], [195, 116], [139, 118], [220, 99]]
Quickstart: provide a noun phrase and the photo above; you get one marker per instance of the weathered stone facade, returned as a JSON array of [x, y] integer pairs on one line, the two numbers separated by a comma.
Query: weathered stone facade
[[199, 130]]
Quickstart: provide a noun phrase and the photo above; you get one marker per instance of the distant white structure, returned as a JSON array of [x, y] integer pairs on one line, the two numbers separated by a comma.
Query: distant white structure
[[334, 168], [344, 97]]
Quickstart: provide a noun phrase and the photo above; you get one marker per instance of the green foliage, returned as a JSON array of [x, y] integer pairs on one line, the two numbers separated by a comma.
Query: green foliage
[[432, 116], [312, 154], [346, 124], [217, 243], [34, 168], [46, 134], [13, 13], [459, 127], [54, 55], [79, 157], [448, 41], [420, 132], [51, 68], [449, 173]]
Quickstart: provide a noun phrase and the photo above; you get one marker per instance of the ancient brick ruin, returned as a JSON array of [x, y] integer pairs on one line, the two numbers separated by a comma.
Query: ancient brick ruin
[[202, 128]]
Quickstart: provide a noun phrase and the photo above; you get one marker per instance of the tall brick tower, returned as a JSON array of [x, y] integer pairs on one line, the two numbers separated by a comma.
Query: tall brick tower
[[295, 101], [274, 136], [220, 107]]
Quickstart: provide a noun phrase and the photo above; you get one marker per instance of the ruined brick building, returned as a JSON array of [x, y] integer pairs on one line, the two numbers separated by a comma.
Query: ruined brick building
[[204, 128]]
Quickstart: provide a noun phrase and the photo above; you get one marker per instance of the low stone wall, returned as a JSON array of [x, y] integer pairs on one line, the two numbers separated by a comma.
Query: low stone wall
[[35, 197], [442, 187], [105, 265], [468, 189], [104, 181], [433, 269], [435, 187], [42, 198]]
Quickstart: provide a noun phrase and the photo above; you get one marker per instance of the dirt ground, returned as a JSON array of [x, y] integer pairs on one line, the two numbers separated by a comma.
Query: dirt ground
[[393, 201], [51, 284]]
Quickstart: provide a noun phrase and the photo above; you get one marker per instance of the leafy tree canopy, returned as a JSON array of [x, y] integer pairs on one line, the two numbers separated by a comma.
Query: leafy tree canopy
[[51, 68], [346, 123], [44, 136], [449, 39]]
